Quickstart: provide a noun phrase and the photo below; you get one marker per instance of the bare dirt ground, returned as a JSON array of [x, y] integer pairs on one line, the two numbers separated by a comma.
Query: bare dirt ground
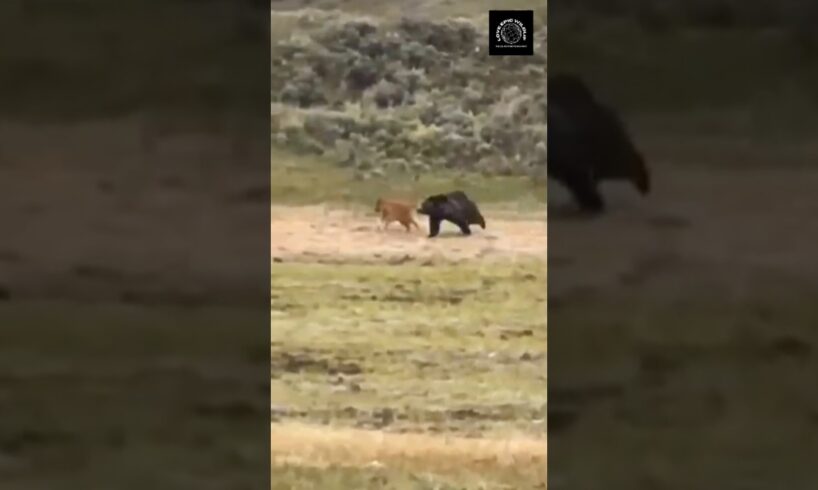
[[678, 232], [321, 233], [320, 446]]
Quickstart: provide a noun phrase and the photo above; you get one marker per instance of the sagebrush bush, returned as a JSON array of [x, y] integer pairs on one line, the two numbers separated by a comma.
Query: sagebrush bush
[[410, 96]]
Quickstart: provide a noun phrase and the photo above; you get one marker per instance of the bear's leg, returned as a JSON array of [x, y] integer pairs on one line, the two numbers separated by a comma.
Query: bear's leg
[[589, 198], [585, 192], [464, 227], [434, 226]]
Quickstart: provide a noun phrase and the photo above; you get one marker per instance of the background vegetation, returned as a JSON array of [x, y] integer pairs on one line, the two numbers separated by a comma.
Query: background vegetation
[[411, 94]]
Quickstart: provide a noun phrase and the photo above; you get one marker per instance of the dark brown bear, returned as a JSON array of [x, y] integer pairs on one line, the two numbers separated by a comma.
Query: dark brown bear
[[588, 143], [455, 207]]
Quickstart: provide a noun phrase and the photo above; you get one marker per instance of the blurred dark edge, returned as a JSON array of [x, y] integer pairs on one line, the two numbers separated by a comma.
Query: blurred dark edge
[[134, 258], [682, 326]]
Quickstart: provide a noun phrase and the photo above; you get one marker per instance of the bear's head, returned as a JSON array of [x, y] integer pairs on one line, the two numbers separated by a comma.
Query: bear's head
[[433, 205]]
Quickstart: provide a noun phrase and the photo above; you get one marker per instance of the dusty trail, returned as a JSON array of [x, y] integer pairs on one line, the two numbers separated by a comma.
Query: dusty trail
[[319, 233], [298, 444]]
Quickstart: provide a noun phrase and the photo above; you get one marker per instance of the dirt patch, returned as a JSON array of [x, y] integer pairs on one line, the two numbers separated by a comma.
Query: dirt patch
[[311, 445], [680, 232], [321, 233]]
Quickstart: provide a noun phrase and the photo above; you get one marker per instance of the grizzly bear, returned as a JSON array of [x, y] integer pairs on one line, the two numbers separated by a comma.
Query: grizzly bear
[[588, 143], [455, 207]]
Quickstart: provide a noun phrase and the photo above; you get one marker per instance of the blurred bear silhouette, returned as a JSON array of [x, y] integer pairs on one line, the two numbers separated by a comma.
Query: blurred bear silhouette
[[588, 143]]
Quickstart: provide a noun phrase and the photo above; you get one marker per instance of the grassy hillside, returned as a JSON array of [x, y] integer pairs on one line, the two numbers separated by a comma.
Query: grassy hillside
[[416, 94]]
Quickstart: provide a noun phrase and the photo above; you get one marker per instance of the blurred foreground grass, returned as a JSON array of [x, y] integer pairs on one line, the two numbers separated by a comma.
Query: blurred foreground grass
[[698, 385], [340, 478], [134, 398]]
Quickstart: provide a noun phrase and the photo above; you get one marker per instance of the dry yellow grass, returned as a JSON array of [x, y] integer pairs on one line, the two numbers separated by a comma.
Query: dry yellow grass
[[307, 445]]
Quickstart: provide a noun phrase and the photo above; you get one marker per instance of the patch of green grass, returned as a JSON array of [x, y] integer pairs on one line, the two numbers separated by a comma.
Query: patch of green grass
[[451, 347], [337, 478], [302, 180], [297, 478]]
